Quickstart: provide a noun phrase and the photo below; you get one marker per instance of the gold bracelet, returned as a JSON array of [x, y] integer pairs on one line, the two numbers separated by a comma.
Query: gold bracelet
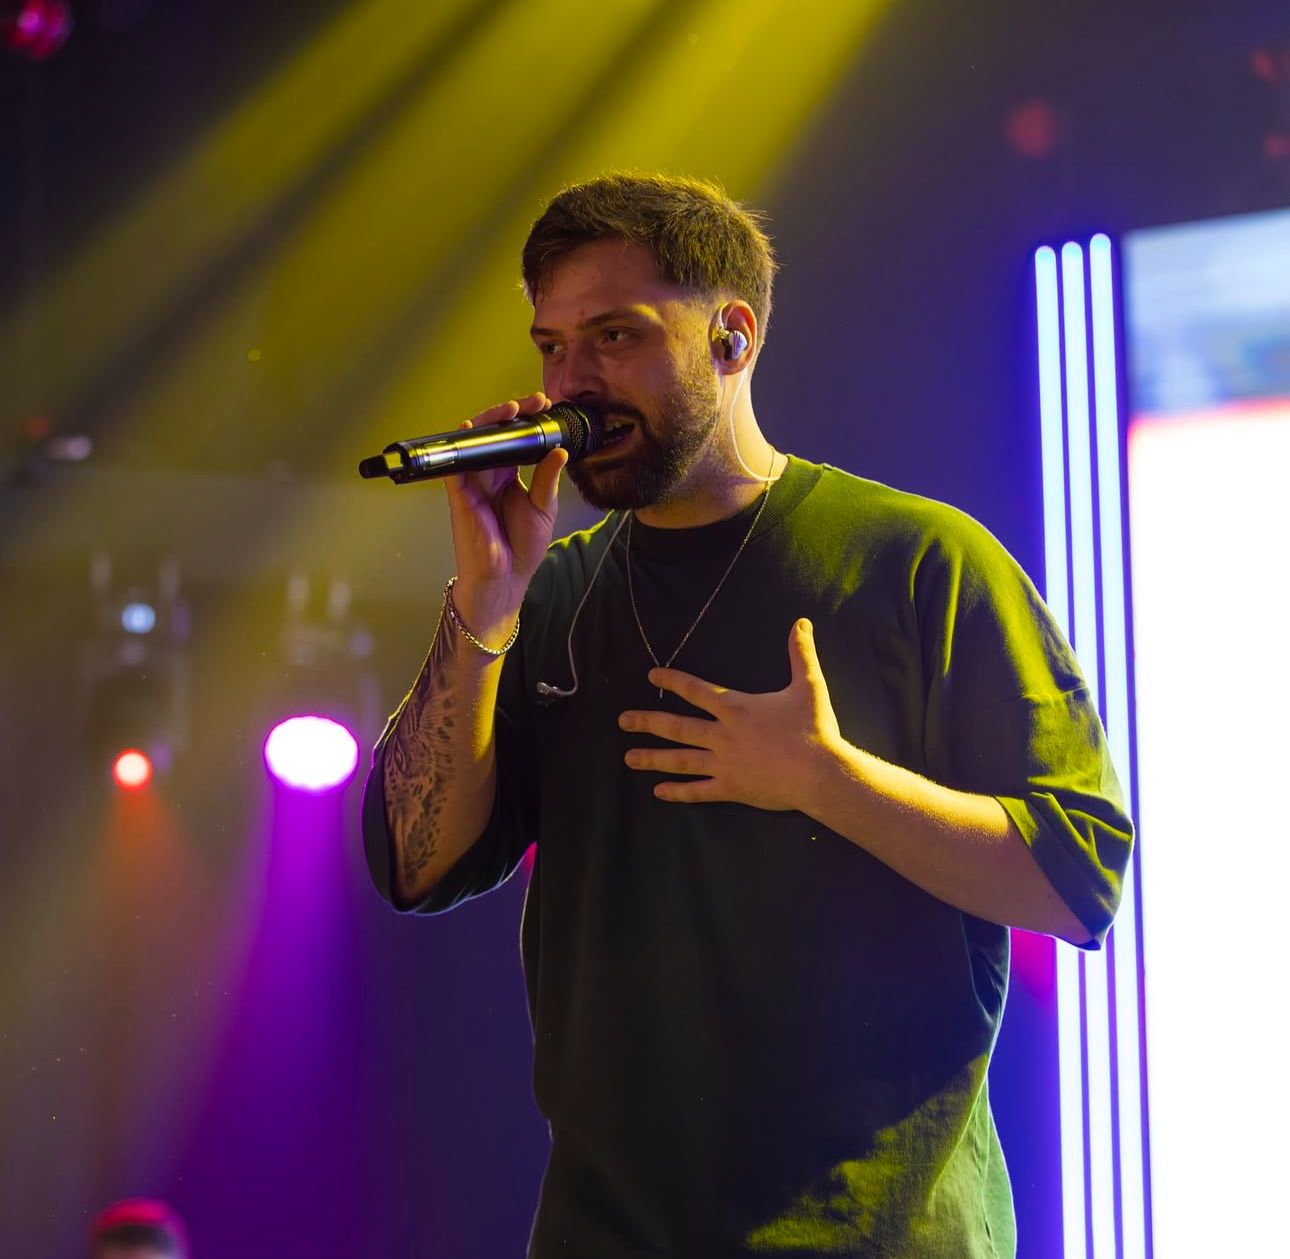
[[455, 617]]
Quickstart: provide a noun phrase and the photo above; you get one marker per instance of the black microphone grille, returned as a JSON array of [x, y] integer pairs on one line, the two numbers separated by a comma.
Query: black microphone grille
[[583, 426]]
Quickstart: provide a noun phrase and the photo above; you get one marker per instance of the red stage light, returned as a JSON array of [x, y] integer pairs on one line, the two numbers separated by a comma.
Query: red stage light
[[132, 770], [1034, 129], [35, 28]]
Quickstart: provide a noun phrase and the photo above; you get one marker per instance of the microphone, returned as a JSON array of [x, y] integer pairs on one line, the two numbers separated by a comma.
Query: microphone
[[523, 440]]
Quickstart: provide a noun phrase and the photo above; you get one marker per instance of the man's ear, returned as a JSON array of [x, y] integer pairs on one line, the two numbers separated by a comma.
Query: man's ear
[[734, 336]]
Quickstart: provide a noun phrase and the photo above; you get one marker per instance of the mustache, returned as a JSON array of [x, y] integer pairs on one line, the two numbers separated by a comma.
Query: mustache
[[608, 408]]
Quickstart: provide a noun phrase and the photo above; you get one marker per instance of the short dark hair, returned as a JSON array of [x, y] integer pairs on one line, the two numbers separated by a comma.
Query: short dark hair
[[700, 238]]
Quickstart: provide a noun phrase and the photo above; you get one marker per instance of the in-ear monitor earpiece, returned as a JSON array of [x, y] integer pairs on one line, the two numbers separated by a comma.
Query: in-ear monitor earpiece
[[733, 342]]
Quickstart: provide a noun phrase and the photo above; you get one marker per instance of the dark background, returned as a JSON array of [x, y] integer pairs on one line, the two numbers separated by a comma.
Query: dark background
[[222, 1013]]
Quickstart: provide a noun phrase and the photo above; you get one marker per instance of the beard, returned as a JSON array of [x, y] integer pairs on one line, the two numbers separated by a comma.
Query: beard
[[667, 448]]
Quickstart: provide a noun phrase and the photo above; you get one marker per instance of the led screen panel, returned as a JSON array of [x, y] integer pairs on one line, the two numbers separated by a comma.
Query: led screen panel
[[1207, 322]]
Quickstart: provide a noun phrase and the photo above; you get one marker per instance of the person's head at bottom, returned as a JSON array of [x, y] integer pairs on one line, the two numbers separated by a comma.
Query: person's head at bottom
[[138, 1228]]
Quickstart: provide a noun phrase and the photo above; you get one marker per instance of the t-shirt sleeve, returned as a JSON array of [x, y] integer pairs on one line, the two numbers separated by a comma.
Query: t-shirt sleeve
[[496, 853], [1009, 714]]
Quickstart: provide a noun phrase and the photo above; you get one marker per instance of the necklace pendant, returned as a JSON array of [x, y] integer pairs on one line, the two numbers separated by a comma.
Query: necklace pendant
[[631, 591]]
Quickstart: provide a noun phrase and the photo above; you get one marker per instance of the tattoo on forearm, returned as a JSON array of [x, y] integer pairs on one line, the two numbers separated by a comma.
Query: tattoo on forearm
[[419, 761]]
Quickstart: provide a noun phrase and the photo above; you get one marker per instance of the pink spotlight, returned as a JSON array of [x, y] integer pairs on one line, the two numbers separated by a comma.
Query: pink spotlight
[[311, 753], [132, 770], [36, 28]]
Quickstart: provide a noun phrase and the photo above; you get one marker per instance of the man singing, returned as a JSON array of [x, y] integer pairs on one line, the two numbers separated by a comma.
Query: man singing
[[796, 750]]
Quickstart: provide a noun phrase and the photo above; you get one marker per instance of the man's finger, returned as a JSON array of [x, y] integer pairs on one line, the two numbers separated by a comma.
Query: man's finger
[[494, 415], [691, 689], [534, 403], [477, 485], [701, 791], [697, 732], [544, 492], [802, 658], [692, 761]]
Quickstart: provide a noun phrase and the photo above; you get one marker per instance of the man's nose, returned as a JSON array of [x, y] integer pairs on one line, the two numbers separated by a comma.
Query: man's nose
[[579, 373]]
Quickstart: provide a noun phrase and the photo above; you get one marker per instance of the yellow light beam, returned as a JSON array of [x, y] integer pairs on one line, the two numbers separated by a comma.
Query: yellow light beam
[[683, 104], [128, 273], [698, 101]]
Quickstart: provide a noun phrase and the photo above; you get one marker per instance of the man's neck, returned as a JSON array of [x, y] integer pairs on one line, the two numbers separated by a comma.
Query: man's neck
[[690, 508], [721, 485]]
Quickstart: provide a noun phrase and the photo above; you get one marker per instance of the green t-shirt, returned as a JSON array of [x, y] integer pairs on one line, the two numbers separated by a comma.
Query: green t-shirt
[[752, 1037]]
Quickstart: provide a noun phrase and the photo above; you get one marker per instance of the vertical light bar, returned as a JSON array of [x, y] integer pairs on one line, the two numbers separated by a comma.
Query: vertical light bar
[[1124, 935], [1095, 602], [1110, 531], [1080, 466], [1097, 1031], [1101, 1159], [1070, 1040], [1056, 576]]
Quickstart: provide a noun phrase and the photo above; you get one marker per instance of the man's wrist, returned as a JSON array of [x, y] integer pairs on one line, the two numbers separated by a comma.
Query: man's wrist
[[831, 774], [493, 637]]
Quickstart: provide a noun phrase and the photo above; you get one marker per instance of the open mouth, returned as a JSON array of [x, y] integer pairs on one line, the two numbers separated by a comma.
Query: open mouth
[[615, 433]]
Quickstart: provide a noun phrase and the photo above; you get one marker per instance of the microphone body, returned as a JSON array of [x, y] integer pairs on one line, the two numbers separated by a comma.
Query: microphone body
[[523, 440]]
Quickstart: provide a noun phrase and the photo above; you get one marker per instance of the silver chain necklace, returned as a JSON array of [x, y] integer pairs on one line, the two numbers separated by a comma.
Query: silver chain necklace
[[685, 638]]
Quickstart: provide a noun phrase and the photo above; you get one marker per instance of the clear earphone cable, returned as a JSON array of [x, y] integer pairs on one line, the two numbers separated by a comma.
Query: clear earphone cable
[[545, 689], [734, 440]]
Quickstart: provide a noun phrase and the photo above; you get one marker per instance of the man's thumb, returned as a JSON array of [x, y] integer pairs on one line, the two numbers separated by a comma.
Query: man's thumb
[[803, 661]]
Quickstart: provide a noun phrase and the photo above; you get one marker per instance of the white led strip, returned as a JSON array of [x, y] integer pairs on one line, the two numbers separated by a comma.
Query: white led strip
[[1109, 1115], [1115, 647], [1070, 1040]]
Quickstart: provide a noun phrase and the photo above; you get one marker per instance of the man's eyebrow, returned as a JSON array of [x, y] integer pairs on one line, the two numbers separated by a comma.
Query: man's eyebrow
[[595, 321]]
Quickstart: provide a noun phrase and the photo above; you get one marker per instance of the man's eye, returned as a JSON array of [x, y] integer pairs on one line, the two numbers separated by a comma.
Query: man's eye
[[547, 348], [617, 336]]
